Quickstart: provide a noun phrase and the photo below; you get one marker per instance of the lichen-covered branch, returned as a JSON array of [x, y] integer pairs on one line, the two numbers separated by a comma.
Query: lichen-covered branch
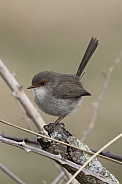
[[34, 142], [87, 176], [95, 173]]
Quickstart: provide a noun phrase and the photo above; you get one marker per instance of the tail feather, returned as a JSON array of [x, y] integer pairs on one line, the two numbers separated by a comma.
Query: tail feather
[[89, 51]]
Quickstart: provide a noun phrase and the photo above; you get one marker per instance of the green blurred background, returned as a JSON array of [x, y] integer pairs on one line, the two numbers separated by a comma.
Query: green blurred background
[[53, 35]]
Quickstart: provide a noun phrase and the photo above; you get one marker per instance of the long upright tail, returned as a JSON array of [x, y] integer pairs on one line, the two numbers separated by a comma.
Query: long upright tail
[[89, 51]]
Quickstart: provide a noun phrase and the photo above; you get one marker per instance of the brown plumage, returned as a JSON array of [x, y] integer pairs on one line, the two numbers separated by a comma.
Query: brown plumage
[[60, 94]]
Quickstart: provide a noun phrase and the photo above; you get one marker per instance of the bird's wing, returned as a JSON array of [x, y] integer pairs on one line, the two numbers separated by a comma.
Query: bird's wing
[[70, 89]]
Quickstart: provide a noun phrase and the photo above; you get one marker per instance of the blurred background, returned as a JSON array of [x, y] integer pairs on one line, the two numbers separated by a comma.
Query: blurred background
[[53, 35]]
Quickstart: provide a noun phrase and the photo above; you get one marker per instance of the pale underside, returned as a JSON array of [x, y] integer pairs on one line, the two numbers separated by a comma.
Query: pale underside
[[54, 106]]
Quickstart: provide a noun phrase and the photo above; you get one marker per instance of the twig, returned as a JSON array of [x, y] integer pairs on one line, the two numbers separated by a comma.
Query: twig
[[9, 173], [68, 176], [28, 148], [63, 176], [19, 94], [96, 104], [49, 138], [35, 142], [63, 162], [110, 155], [58, 178], [92, 157]]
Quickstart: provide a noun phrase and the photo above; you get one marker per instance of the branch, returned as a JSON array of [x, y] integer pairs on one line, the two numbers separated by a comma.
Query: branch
[[19, 94], [9, 173], [92, 157], [100, 174], [42, 134], [35, 142], [96, 104], [67, 164]]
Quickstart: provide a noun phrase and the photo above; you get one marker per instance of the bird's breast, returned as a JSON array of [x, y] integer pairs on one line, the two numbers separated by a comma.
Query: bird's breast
[[53, 106], [39, 94]]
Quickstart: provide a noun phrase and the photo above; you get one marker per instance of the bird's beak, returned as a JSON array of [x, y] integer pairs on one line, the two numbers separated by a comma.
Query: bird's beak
[[30, 87]]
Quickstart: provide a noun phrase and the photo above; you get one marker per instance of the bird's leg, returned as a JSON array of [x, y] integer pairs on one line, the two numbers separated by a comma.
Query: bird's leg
[[59, 119]]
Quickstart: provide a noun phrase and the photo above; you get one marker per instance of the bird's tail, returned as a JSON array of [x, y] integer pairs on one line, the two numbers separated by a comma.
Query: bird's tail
[[89, 51]]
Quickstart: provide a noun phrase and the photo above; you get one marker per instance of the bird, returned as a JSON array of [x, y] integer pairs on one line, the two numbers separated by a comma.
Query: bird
[[59, 94]]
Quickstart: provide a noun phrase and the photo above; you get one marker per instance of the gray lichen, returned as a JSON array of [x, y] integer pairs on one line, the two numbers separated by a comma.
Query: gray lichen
[[94, 173]]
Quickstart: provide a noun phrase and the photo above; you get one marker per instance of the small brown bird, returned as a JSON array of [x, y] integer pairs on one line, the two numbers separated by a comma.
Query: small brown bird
[[60, 94]]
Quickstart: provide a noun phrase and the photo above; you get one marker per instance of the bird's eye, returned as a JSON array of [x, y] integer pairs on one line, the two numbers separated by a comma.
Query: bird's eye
[[42, 83]]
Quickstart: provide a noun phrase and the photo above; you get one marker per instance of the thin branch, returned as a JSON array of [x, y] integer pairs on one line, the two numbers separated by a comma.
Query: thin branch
[[60, 160], [19, 94], [63, 176], [68, 176], [10, 174], [28, 148], [58, 178], [35, 142], [64, 143], [96, 104], [92, 157], [110, 155]]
